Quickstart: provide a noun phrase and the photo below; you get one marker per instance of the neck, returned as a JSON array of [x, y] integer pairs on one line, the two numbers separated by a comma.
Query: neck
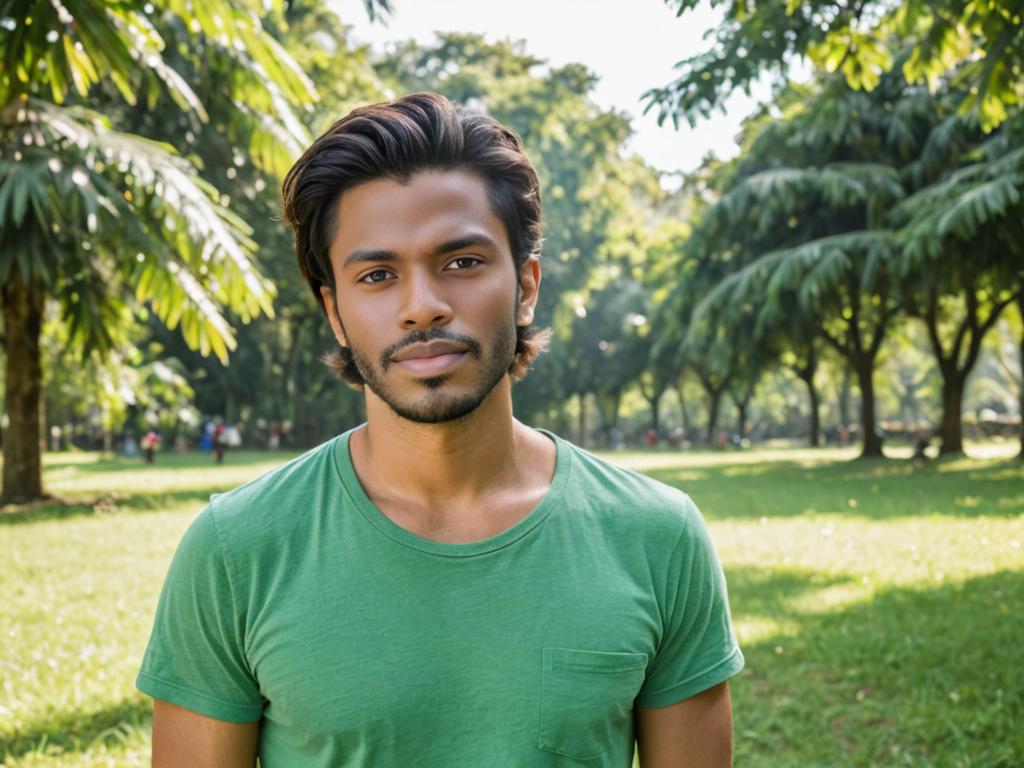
[[434, 465]]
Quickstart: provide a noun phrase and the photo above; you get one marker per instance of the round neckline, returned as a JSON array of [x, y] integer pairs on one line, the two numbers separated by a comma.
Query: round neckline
[[354, 489]]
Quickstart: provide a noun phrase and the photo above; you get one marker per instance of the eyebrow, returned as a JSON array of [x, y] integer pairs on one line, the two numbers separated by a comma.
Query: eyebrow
[[473, 240]]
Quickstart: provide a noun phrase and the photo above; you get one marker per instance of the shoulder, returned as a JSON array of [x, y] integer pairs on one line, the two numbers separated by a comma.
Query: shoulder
[[277, 499], [629, 499]]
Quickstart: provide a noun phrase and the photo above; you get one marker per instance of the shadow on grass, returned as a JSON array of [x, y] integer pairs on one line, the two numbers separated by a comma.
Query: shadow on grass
[[111, 503], [169, 460], [175, 480], [870, 488], [73, 732], [913, 677]]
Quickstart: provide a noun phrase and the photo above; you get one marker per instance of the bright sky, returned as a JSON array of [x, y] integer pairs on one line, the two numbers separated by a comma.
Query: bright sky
[[630, 50]]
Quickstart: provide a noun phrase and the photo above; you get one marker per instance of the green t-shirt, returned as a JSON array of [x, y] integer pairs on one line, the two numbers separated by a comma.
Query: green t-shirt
[[295, 600]]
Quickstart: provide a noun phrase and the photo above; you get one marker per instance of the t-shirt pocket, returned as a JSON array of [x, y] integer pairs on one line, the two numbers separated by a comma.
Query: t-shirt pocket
[[587, 699]]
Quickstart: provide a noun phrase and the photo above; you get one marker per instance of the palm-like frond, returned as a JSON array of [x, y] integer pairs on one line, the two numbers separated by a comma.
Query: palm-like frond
[[105, 209], [81, 41], [961, 203], [810, 272], [774, 193]]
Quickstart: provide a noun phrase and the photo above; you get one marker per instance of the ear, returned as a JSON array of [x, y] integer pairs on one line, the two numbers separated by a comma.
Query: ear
[[331, 307], [529, 290]]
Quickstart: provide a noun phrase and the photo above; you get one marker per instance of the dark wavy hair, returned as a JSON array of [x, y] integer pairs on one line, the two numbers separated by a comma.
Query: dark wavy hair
[[395, 140]]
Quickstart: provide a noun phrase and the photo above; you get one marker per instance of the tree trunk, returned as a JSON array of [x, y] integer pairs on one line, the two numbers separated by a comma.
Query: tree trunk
[[583, 419], [866, 380], [814, 438], [741, 413], [951, 430], [715, 399], [23, 319], [1020, 391], [290, 389], [609, 405], [683, 414], [655, 404], [844, 397]]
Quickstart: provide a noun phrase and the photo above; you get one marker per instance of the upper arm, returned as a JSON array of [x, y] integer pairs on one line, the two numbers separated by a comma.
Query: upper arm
[[693, 733], [185, 739]]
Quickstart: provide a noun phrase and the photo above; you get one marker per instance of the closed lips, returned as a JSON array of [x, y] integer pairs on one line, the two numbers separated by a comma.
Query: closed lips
[[430, 349]]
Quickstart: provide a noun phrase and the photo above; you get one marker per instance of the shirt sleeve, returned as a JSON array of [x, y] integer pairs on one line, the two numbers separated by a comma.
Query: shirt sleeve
[[196, 653], [698, 648]]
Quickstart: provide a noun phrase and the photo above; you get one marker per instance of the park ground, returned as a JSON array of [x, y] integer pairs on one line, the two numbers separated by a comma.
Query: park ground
[[878, 602]]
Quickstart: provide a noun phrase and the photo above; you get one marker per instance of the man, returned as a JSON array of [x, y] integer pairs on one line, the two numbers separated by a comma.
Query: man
[[442, 586]]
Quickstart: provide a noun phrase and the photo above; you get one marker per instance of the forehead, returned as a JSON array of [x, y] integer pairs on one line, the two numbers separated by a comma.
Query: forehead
[[431, 207]]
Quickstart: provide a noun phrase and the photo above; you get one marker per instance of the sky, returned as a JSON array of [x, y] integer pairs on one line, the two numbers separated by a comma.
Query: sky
[[629, 50]]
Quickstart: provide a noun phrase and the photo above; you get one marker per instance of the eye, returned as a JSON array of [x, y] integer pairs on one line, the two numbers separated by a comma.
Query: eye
[[463, 262], [375, 277]]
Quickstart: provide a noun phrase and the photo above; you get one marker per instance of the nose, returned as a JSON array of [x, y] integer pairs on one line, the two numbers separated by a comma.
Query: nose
[[423, 304]]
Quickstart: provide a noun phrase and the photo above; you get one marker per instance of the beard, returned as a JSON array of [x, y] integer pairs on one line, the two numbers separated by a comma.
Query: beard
[[434, 405]]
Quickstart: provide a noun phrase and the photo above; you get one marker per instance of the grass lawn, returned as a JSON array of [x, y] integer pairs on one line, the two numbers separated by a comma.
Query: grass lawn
[[880, 604]]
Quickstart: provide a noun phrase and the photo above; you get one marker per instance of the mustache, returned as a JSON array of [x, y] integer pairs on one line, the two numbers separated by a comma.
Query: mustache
[[422, 337]]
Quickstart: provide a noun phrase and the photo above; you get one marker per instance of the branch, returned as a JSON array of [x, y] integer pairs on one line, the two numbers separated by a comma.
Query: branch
[[883, 321], [835, 343], [997, 310], [980, 330], [970, 321], [931, 322]]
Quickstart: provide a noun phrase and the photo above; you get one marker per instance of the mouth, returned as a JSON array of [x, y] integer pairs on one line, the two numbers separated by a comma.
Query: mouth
[[430, 358], [434, 365]]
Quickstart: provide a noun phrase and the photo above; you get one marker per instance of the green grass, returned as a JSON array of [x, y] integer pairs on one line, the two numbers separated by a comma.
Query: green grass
[[878, 603]]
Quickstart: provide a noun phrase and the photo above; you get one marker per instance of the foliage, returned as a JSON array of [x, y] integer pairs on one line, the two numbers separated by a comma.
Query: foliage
[[93, 395], [855, 207], [977, 46], [90, 210], [275, 378]]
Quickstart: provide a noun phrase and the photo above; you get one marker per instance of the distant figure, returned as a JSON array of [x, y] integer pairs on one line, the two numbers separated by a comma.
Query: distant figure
[[130, 446], [232, 437], [206, 439], [219, 442], [652, 437], [844, 434], [150, 442], [922, 445]]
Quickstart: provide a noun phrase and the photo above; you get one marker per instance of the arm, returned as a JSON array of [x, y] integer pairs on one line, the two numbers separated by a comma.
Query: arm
[[185, 739], [694, 733]]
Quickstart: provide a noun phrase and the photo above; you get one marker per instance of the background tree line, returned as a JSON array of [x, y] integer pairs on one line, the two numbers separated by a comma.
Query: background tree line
[[871, 223]]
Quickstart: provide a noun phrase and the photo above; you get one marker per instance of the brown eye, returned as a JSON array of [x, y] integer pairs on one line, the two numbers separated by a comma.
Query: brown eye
[[464, 262], [377, 276]]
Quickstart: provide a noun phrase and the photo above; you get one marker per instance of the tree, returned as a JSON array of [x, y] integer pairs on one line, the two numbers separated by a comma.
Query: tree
[[797, 235], [89, 212], [276, 378], [963, 259], [978, 45]]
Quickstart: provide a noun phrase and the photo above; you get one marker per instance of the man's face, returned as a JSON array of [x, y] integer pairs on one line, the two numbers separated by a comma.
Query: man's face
[[426, 292]]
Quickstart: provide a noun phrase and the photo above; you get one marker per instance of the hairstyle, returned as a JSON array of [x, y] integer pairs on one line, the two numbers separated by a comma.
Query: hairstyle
[[395, 140]]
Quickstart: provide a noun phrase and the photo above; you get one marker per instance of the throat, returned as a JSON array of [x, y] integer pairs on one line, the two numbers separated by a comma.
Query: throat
[[458, 525]]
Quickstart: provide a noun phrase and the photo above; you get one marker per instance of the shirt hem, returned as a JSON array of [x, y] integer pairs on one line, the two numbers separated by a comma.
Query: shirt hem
[[195, 701], [719, 673]]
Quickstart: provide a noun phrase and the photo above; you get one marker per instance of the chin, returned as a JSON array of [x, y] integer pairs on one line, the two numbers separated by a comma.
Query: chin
[[442, 410]]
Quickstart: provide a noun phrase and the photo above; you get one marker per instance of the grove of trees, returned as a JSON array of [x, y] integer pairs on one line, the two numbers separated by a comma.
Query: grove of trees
[[866, 242]]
